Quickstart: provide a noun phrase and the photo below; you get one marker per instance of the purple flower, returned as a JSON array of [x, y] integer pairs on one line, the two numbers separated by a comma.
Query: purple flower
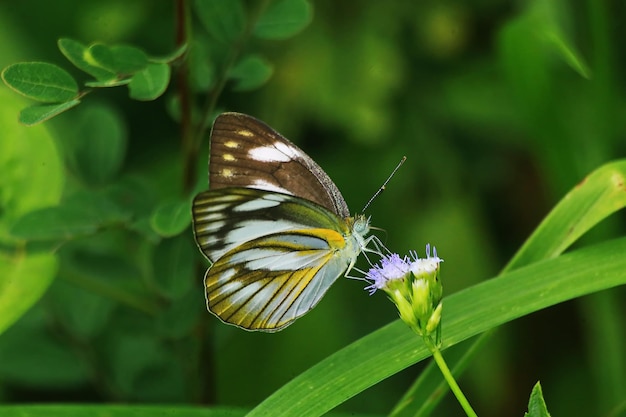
[[414, 287]]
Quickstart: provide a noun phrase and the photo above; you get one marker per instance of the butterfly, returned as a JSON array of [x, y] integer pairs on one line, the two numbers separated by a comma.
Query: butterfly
[[273, 224]]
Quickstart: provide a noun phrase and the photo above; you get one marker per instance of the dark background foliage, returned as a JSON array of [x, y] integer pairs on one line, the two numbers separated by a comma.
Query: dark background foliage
[[501, 107]]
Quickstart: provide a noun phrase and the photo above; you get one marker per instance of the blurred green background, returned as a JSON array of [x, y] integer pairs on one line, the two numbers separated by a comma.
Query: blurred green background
[[500, 107]]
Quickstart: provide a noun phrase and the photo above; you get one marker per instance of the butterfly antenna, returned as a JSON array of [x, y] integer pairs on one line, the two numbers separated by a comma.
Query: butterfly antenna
[[382, 187]]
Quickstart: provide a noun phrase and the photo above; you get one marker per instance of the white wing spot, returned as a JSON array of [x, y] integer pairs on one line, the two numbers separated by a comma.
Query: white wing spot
[[278, 152], [231, 144], [289, 150], [268, 186], [257, 204]]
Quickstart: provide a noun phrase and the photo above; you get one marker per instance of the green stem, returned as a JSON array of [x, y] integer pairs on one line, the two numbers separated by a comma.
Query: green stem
[[443, 367]]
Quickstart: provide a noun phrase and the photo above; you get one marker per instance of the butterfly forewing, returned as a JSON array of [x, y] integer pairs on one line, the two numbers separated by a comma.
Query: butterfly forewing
[[245, 152]]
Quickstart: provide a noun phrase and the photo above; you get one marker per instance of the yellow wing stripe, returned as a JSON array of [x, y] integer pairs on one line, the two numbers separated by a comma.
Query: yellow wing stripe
[[285, 286]]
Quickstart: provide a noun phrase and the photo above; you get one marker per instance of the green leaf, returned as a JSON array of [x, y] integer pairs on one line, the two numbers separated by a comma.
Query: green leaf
[[224, 19], [41, 81], [33, 115], [120, 59], [466, 313], [99, 145], [536, 404], [568, 53], [118, 411], [79, 55], [201, 67], [81, 214], [32, 177], [174, 265], [171, 218], [599, 195], [283, 19], [528, 46], [150, 83], [250, 72], [175, 55], [23, 280], [128, 59]]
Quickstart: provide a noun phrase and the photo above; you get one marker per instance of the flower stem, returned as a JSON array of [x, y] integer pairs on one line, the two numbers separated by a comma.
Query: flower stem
[[443, 367]]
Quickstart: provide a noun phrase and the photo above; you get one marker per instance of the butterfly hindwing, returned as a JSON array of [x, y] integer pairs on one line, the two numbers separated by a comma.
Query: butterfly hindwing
[[269, 282]]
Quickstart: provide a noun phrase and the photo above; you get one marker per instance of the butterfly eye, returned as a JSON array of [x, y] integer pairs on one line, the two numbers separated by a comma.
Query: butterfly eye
[[361, 225]]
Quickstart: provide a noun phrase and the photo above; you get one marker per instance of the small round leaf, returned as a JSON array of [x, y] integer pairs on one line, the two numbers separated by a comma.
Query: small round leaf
[[100, 143], [119, 59], [251, 72], [41, 81], [79, 55], [224, 19], [171, 218], [150, 83], [283, 19], [174, 265], [36, 114]]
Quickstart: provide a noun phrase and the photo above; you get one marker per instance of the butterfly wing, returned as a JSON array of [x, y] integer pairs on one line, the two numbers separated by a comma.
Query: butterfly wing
[[245, 152], [226, 218], [269, 282], [275, 255]]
